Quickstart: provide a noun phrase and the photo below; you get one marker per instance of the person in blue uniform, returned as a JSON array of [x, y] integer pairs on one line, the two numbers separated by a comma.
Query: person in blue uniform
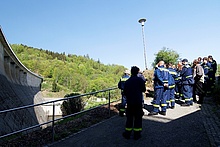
[[206, 67], [140, 75], [187, 83], [178, 83], [133, 89], [212, 72], [161, 75], [121, 83], [171, 91]]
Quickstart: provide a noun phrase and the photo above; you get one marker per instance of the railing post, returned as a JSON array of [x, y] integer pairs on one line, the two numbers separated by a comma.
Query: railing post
[[53, 132], [109, 97]]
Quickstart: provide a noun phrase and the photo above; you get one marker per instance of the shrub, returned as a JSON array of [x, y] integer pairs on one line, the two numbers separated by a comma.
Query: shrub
[[72, 105], [148, 74]]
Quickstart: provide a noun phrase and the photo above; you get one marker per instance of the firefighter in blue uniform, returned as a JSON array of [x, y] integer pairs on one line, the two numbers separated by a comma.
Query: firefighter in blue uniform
[[187, 83], [121, 83], [212, 72], [171, 92], [160, 89], [140, 75], [206, 67], [134, 87], [178, 83]]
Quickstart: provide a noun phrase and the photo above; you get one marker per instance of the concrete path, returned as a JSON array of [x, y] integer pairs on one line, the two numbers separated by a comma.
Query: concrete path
[[181, 127]]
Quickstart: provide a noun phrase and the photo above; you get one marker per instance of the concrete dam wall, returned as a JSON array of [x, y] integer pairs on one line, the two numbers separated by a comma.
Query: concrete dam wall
[[18, 87]]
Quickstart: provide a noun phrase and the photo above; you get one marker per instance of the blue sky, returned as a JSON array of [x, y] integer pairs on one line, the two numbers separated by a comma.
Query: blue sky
[[109, 30]]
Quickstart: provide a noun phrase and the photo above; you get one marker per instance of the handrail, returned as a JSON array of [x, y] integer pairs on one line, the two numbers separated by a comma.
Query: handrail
[[54, 120], [75, 96]]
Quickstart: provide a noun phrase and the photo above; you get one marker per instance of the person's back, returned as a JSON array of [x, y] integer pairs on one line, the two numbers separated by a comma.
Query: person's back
[[140, 75], [172, 76], [121, 85], [206, 66], [187, 74], [134, 87], [124, 78]]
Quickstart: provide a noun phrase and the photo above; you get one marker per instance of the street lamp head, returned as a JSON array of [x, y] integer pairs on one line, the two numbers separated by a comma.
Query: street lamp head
[[142, 20]]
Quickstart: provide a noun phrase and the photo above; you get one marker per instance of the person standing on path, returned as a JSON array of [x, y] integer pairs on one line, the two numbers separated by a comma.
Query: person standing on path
[[161, 75], [198, 76], [171, 91], [121, 84], [212, 72], [133, 89], [206, 67], [187, 83], [140, 75]]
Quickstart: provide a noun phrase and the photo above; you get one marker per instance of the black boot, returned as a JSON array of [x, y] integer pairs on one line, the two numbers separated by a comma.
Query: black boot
[[126, 134], [137, 135], [201, 98], [163, 113], [152, 113], [121, 113]]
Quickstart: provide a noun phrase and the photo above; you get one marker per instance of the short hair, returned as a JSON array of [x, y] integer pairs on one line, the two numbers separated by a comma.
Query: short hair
[[210, 57], [205, 58], [134, 70], [196, 61]]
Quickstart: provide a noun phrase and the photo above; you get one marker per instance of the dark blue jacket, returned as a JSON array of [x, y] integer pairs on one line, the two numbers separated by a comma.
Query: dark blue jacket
[[187, 75], [161, 76], [178, 78], [172, 76], [212, 69], [133, 89], [214, 66], [140, 75], [121, 83], [206, 68]]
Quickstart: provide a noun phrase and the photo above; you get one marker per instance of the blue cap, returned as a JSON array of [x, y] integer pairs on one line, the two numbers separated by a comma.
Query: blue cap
[[184, 60]]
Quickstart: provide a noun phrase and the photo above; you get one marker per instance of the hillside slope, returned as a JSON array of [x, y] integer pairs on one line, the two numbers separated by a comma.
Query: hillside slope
[[67, 73]]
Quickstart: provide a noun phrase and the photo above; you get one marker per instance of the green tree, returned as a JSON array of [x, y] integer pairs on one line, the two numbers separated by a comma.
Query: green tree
[[69, 73], [167, 55]]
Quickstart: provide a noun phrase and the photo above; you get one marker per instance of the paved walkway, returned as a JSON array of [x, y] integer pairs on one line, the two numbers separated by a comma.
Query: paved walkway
[[193, 126]]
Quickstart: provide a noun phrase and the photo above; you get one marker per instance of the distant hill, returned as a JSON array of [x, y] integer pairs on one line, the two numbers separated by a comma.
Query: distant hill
[[67, 73]]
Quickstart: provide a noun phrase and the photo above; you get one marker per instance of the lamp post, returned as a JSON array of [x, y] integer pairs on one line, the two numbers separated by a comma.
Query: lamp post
[[142, 20]]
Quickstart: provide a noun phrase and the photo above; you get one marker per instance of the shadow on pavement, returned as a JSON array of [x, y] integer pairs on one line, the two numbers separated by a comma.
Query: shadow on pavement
[[159, 131]]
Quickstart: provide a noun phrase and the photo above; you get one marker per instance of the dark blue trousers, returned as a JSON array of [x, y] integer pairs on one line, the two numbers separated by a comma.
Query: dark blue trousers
[[160, 98], [188, 94], [171, 97]]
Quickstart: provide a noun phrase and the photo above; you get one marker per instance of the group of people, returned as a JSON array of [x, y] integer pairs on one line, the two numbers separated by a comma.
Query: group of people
[[190, 83]]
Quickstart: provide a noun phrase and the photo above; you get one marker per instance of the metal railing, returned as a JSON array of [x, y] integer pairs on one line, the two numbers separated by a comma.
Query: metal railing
[[53, 116]]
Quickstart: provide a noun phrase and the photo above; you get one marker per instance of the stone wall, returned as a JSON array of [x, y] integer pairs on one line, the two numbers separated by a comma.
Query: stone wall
[[18, 87]]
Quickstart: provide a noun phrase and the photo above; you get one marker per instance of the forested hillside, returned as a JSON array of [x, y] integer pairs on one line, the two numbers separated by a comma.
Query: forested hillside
[[68, 73]]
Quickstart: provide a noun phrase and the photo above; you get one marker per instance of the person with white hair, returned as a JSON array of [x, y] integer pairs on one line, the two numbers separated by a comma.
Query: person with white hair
[[161, 75], [121, 83]]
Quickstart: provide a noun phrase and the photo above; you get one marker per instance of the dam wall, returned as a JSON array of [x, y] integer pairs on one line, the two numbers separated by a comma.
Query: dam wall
[[18, 87]]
